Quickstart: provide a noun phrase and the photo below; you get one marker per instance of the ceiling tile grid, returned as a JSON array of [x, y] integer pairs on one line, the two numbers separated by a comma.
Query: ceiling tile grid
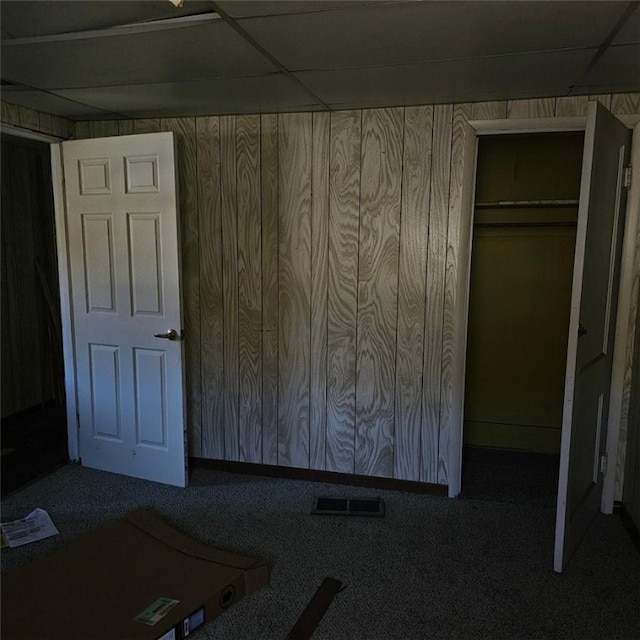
[[88, 59]]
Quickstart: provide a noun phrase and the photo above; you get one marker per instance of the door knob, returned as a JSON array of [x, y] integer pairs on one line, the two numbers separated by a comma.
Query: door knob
[[582, 331], [172, 334]]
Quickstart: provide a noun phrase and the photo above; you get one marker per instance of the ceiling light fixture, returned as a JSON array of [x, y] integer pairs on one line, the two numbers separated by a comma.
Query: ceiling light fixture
[[177, 3]]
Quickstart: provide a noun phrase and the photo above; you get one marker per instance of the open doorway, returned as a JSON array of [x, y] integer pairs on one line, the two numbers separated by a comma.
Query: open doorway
[[34, 433], [526, 208]]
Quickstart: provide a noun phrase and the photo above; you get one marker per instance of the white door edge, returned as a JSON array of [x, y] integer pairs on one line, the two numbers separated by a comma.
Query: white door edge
[[68, 347], [628, 307], [462, 313]]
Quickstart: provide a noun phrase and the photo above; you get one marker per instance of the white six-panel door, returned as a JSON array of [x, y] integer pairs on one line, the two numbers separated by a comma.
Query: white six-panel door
[[121, 207], [591, 328]]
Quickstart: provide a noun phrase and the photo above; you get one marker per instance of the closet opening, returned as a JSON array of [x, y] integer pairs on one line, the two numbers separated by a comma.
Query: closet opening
[[525, 215]]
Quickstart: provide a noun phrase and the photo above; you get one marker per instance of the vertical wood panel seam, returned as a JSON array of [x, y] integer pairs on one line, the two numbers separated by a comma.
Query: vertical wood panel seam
[[237, 292], [223, 290], [326, 311], [197, 189], [261, 281], [197, 209], [278, 181], [356, 371], [395, 374], [444, 306], [277, 213], [311, 245], [261, 291], [426, 294], [424, 321]]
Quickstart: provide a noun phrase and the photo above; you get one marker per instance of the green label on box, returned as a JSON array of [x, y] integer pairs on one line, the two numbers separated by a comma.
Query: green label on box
[[156, 611]]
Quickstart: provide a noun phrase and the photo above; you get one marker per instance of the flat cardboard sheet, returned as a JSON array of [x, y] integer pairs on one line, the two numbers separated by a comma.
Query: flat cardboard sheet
[[135, 578]]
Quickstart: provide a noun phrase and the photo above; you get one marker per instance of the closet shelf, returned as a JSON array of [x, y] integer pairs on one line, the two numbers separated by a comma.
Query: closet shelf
[[527, 203]]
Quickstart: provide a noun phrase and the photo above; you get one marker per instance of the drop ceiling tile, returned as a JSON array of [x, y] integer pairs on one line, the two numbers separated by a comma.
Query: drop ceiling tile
[[618, 70], [49, 103], [630, 31], [248, 8], [404, 33], [39, 17], [496, 78], [258, 94], [208, 50]]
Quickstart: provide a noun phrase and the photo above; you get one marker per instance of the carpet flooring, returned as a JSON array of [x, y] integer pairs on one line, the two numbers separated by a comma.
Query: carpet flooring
[[432, 568]]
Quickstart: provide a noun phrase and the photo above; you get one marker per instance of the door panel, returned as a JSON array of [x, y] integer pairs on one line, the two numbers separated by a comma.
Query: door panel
[[105, 392], [145, 263], [123, 250], [97, 251], [150, 397], [591, 328]]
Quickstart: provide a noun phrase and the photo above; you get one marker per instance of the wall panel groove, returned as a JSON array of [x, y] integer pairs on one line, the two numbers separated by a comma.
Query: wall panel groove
[[211, 298], [269, 228], [434, 303], [380, 198], [344, 205], [228, 188], [319, 284], [249, 288], [416, 188], [294, 272]]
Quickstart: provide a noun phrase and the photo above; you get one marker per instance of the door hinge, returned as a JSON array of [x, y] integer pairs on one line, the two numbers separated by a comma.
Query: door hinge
[[603, 463], [627, 177]]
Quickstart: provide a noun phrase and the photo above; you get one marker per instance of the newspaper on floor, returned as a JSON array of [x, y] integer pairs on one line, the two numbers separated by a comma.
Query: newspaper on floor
[[36, 526]]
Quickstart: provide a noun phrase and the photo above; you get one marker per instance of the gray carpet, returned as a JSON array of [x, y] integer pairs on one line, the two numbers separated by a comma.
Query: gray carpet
[[433, 568]]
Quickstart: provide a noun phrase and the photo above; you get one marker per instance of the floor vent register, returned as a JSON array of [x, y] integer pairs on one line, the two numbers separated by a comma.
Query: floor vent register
[[328, 506]]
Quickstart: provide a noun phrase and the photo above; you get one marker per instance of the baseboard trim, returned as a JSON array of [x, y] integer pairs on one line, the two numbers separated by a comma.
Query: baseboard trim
[[294, 473], [630, 526]]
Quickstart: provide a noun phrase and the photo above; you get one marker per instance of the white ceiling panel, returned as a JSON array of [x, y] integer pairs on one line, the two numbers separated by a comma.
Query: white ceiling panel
[[256, 94], [619, 67], [384, 34], [191, 53], [502, 77], [38, 17]]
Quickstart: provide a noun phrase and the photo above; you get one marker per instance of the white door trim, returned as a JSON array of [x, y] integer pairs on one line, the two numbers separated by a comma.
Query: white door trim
[[527, 125], [520, 126], [628, 307], [19, 132]]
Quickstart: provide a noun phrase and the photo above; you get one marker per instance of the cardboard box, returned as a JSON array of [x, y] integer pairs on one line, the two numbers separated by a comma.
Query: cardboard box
[[133, 579]]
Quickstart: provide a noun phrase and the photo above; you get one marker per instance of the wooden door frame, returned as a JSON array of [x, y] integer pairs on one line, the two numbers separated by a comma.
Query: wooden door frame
[[627, 300]]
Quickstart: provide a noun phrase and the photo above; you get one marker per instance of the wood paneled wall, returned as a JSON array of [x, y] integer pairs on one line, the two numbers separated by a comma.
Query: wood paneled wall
[[38, 121], [321, 274], [631, 494]]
